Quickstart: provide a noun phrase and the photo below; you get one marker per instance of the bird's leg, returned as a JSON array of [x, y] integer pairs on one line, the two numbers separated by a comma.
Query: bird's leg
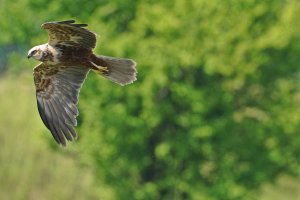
[[99, 69]]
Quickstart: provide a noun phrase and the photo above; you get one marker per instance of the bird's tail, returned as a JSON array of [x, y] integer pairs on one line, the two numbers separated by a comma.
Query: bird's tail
[[119, 70]]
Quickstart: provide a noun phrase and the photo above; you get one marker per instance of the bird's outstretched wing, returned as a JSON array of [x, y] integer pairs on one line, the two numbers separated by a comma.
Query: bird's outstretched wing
[[57, 92], [70, 34]]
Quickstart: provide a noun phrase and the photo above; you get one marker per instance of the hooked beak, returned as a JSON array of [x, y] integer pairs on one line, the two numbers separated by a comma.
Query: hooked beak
[[30, 55]]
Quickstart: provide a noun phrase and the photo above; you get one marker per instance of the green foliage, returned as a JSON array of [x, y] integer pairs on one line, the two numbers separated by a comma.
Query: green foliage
[[214, 113]]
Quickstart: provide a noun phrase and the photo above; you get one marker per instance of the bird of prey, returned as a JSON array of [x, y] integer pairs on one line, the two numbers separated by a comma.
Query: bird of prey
[[66, 60]]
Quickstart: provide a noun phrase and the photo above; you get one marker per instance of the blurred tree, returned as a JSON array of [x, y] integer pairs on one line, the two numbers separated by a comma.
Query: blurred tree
[[214, 111]]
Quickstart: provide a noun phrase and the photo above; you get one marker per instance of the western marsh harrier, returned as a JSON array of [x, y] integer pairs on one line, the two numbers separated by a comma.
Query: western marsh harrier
[[66, 60]]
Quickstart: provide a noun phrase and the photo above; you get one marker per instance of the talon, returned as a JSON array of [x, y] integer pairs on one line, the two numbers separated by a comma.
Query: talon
[[99, 69], [102, 70]]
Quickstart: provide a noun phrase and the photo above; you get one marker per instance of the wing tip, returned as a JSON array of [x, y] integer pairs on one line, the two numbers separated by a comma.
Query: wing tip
[[64, 143], [68, 22]]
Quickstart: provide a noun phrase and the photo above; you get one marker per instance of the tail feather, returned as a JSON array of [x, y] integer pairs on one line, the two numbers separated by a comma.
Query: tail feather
[[120, 70]]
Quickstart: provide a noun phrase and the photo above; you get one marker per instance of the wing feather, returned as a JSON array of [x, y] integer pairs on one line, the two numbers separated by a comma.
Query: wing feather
[[70, 34], [55, 123], [50, 122], [61, 120], [57, 92], [65, 116], [42, 112], [69, 108]]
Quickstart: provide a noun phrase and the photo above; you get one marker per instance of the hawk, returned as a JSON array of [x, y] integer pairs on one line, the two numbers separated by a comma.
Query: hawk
[[66, 60]]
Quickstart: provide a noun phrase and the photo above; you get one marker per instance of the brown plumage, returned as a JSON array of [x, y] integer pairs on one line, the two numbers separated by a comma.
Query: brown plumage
[[66, 60]]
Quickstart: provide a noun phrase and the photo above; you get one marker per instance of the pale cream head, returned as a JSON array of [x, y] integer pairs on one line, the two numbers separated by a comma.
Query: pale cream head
[[37, 52]]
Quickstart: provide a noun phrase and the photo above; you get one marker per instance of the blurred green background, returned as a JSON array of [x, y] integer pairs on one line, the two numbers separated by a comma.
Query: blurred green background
[[214, 114]]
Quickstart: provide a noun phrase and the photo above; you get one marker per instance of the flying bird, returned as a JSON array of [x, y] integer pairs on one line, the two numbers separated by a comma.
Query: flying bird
[[66, 60]]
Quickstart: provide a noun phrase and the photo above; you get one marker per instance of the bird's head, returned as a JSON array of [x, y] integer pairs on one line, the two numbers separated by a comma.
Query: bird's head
[[37, 52]]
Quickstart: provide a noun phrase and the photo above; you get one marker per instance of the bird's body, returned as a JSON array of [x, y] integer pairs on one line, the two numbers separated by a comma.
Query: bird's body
[[65, 55], [66, 60]]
